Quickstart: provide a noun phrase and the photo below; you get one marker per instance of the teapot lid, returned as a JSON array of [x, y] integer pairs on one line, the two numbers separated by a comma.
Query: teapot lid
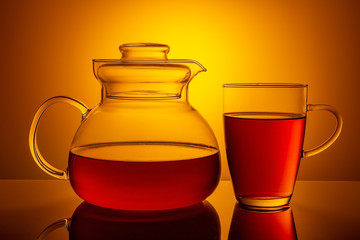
[[145, 68], [144, 53]]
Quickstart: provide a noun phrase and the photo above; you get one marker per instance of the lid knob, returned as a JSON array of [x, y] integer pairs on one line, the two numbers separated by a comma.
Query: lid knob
[[144, 51]]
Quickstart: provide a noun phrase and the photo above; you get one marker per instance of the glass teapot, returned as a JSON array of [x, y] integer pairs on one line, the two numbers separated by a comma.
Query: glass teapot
[[143, 147]]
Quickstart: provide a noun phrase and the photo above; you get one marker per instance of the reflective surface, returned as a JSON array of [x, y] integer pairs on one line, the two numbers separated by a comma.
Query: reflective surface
[[319, 210]]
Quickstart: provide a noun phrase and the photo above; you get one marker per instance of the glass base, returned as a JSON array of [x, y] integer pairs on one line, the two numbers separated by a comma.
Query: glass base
[[264, 203]]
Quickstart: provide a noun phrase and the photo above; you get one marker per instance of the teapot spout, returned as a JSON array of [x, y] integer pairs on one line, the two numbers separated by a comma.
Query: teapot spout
[[195, 68]]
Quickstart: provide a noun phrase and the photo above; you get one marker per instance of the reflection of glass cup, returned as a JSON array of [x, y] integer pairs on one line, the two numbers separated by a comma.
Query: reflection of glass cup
[[259, 225], [199, 221], [264, 131]]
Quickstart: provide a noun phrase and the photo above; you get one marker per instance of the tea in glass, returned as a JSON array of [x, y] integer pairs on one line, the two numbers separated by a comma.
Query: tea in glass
[[262, 147]]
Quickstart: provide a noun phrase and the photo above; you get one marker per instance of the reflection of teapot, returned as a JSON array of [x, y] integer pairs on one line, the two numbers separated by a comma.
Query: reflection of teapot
[[144, 147], [258, 225], [199, 221]]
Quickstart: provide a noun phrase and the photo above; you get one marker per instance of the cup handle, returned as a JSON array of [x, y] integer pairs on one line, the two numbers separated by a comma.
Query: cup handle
[[333, 137], [52, 227], [39, 159]]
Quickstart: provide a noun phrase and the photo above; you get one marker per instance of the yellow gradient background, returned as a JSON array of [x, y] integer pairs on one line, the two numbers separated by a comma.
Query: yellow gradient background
[[47, 48]]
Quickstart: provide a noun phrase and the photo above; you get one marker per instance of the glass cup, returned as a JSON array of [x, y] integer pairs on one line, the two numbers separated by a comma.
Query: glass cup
[[264, 133]]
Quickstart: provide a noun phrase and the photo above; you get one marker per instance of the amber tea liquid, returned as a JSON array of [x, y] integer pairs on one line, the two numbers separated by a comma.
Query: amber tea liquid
[[263, 152], [144, 176]]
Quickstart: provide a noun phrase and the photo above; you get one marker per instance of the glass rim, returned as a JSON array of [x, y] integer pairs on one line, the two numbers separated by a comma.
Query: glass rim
[[264, 85]]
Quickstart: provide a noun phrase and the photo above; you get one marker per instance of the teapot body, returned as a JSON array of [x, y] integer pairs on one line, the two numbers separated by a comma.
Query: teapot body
[[144, 155]]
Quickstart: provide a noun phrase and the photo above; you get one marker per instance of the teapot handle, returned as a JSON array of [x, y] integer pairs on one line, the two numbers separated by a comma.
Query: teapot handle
[[333, 137], [39, 159]]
